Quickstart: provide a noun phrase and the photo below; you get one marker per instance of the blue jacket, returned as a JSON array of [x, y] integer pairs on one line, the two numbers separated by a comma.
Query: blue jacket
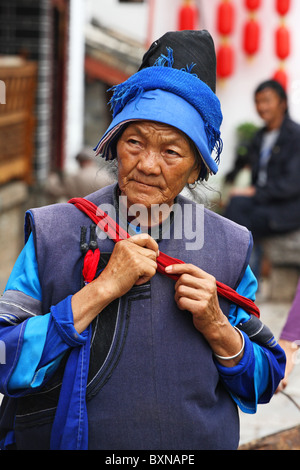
[[130, 381]]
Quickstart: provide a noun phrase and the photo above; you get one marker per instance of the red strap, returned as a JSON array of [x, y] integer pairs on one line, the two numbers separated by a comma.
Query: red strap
[[116, 233]]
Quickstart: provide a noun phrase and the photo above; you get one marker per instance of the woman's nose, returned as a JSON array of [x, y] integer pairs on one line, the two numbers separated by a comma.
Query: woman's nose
[[149, 162]]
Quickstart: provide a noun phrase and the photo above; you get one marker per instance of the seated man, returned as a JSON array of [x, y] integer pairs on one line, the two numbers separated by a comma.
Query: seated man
[[271, 205]]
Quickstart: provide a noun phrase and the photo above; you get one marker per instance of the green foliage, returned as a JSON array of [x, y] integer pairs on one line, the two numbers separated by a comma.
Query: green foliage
[[244, 135]]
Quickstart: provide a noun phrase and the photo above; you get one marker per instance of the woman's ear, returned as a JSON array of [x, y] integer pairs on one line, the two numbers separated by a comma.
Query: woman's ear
[[194, 175]]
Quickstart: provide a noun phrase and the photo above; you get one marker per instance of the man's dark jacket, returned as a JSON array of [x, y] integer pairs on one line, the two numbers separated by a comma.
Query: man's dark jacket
[[281, 194]]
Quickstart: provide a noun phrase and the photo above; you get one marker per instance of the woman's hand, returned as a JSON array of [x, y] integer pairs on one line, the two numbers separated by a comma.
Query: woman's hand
[[196, 291], [132, 262]]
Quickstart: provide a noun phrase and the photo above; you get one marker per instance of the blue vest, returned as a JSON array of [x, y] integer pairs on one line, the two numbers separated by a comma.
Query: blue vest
[[152, 379]]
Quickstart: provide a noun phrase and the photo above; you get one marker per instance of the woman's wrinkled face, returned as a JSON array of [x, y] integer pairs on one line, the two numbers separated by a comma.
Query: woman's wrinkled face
[[155, 162]]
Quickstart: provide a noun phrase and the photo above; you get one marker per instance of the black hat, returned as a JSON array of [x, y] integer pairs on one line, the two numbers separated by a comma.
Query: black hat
[[192, 47]]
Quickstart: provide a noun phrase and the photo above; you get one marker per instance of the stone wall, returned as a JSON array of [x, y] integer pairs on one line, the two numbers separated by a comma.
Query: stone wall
[[283, 251], [13, 200]]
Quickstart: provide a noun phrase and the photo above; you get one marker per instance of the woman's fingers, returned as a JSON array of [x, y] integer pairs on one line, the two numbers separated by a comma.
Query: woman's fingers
[[196, 291], [186, 268], [192, 277], [133, 262], [145, 241]]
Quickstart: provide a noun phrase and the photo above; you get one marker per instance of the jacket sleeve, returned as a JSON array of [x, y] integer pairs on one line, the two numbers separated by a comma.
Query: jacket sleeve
[[283, 184], [255, 378], [286, 186], [291, 329], [34, 343]]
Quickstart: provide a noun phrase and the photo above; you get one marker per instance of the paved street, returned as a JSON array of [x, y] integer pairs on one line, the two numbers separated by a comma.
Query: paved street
[[281, 413]]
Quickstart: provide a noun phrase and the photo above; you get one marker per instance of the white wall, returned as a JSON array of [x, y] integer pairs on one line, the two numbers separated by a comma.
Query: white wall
[[236, 94], [129, 18], [75, 90]]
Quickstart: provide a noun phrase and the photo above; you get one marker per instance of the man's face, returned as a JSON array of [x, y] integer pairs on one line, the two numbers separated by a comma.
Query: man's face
[[155, 162], [270, 107]]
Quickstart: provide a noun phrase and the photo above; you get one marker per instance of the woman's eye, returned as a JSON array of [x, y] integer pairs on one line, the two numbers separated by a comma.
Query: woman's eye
[[133, 141], [172, 152]]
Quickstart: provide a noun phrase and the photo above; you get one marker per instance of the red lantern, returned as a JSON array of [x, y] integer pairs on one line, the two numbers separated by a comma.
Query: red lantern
[[225, 61], [251, 32], [252, 4], [251, 37], [225, 18], [282, 37], [188, 17], [283, 6], [281, 77], [282, 42]]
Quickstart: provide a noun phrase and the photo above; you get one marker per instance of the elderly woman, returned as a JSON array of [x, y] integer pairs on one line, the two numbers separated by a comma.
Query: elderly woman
[[119, 355]]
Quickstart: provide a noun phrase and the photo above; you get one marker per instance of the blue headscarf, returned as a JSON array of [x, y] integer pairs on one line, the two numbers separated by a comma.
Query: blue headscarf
[[176, 97]]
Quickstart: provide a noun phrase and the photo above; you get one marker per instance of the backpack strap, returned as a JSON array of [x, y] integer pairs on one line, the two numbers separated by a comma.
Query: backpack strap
[[116, 233]]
